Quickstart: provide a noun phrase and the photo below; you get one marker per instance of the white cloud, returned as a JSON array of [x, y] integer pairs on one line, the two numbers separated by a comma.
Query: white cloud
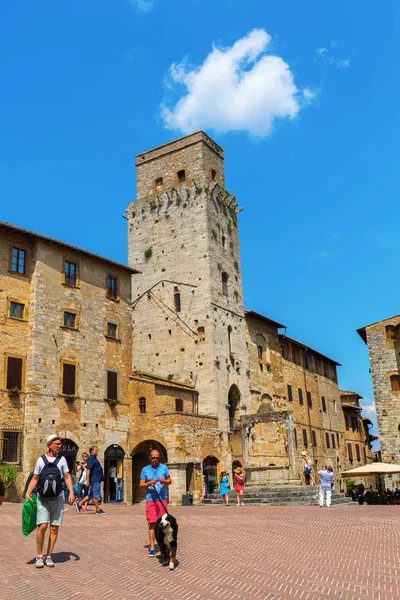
[[321, 51], [369, 408], [343, 64], [142, 5], [329, 59], [240, 88]]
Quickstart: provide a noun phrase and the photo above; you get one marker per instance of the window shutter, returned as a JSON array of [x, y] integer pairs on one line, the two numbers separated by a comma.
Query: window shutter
[[69, 372], [350, 452], [14, 373], [112, 385], [290, 395]]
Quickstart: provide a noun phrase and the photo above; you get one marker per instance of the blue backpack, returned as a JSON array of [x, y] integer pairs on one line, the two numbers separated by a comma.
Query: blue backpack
[[49, 484]]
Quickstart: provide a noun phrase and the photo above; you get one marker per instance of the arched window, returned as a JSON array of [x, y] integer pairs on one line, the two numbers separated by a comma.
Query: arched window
[[159, 182], [229, 339], [181, 175], [224, 278], [213, 174], [142, 405], [177, 300]]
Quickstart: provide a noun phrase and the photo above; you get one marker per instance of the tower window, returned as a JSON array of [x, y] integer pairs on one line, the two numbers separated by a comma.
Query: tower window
[[260, 352], [70, 272], [68, 379], [18, 261], [213, 174], [323, 403], [328, 445], [305, 440], [224, 278], [390, 331], [290, 394], [309, 400], [301, 401], [112, 287], [181, 176], [201, 334], [142, 405], [223, 239], [178, 405], [314, 439], [159, 182], [229, 339], [395, 383], [177, 301]]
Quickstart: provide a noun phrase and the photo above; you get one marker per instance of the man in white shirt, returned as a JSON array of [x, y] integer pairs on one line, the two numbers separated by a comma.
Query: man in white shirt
[[326, 476], [50, 505]]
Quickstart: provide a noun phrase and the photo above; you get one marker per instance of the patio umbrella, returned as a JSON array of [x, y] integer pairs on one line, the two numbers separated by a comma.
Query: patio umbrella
[[375, 468]]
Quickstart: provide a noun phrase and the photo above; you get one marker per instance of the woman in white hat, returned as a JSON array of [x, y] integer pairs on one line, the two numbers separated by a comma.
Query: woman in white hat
[[307, 473]]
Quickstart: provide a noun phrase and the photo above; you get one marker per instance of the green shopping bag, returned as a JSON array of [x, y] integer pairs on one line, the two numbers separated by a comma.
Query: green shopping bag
[[29, 511]]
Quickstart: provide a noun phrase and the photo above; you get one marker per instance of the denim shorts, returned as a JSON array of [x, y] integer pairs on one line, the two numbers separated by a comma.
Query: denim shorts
[[50, 510], [94, 490]]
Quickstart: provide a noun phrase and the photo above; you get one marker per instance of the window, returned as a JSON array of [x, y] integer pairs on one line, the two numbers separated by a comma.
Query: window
[[333, 441], [11, 446], [390, 332], [259, 352], [18, 261], [69, 320], [358, 456], [181, 175], [213, 174], [223, 240], [178, 404], [14, 373], [295, 437], [201, 333], [224, 278], [112, 287], [323, 404], [112, 385], [70, 272], [354, 423], [112, 329], [325, 371], [395, 383], [338, 440], [305, 361], [230, 339], [142, 405], [68, 379], [309, 400], [305, 441], [350, 452], [314, 439], [328, 444], [17, 310], [159, 182], [177, 301], [347, 419], [301, 401], [289, 391]]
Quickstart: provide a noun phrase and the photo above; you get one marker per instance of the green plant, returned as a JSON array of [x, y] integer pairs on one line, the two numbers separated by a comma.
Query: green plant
[[350, 487], [8, 474], [232, 359], [229, 228], [14, 392], [148, 253], [70, 397], [184, 205], [268, 367], [167, 215], [214, 234], [231, 246], [219, 267], [182, 246], [170, 377], [199, 189], [236, 294], [112, 401], [178, 200], [236, 265]]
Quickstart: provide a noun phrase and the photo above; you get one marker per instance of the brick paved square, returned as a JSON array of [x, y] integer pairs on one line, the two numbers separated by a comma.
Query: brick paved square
[[347, 552]]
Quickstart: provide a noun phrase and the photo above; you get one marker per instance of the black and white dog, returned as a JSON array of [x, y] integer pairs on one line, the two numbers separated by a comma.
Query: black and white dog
[[167, 538]]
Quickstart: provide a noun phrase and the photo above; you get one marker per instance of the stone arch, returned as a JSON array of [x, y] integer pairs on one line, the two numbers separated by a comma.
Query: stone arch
[[210, 466], [140, 458], [234, 406], [236, 464]]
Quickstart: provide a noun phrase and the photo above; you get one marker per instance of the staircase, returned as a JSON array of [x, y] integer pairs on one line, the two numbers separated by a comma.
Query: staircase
[[279, 496]]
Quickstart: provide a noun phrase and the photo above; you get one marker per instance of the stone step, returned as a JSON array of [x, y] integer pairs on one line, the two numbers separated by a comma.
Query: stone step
[[280, 501], [279, 496], [275, 494]]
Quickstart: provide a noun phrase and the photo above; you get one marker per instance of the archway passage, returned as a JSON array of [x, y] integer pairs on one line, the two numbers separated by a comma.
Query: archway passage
[[210, 480], [234, 406], [235, 465], [69, 450], [114, 474], [140, 458]]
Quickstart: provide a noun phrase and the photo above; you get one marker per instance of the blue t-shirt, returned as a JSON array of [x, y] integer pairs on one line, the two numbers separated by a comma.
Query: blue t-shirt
[[326, 479], [96, 470], [148, 474]]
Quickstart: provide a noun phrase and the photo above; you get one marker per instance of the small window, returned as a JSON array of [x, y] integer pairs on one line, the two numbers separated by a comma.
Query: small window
[[112, 385], [112, 291], [11, 446], [323, 404], [213, 174], [223, 239], [201, 334], [390, 331], [350, 452], [142, 405], [14, 373], [17, 310], [314, 439], [301, 401], [181, 175], [177, 301], [112, 330], [328, 444], [68, 379], [333, 441], [70, 272], [290, 394], [295, 437], [18, 261], [305, 440], [338, 440], [395, 383], [309, 400], [224, 279], [69, 320], [178, 404], [260, 352], [354, 423], [230, 339], [306, 362], [159, 182], [325, 371], [358, 456]]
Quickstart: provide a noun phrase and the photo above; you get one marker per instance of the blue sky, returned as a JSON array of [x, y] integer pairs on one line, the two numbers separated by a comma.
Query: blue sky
[[302, 96]]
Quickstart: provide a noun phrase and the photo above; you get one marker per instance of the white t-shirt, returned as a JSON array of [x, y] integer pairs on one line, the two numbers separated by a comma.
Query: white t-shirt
[[62, 466]]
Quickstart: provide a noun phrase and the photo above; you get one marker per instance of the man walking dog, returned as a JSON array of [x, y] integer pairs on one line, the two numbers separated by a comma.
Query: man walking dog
[[48, 473], [154, 477]]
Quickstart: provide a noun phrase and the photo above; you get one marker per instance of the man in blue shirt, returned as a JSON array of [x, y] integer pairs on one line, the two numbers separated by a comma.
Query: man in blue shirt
[[94, 477], [326, 476], [154, 477]]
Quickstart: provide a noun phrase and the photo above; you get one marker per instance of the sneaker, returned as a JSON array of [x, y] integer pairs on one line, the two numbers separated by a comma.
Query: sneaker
[[39, 562], [242, 504], [152, 552], [101, 512], [84, 508], [77, 507], [48, 561]]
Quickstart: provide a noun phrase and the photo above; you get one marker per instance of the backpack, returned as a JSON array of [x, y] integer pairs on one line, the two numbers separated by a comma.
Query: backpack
[[49, 484]]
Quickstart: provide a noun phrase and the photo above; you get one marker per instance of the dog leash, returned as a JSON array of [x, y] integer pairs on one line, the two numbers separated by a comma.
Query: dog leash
[[159, 497]]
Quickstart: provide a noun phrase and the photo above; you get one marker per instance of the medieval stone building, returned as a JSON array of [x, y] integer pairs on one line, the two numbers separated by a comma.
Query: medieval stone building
[[160, 354]]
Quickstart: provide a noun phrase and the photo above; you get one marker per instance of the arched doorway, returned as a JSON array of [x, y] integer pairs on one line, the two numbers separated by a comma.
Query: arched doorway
[[235, 465], [210, 481], [69, 449], [114, 474], [234, 406], [140, 458]]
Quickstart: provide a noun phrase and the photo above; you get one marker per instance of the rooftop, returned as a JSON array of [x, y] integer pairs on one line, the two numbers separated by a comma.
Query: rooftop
[[362, 330], [348, 393], [31, 234], [256, 315], [178, 144], [309, 348]]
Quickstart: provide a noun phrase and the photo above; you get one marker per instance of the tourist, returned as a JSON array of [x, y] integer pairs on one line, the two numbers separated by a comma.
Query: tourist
[[94, 477], [154, 478], [326, 476], [224, 487], [307, 474], [49, 470], [81, 475], [238, 480]]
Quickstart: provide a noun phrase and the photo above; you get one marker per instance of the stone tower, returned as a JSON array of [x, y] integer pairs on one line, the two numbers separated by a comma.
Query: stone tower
[[188, 319]]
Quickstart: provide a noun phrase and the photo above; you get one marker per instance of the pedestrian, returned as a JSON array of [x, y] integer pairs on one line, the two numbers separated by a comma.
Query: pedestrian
[[326, 476], [224, 487], [154, 478], [238, 480], [49, 470], [307, 469], [81, 475], [94, 477]]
